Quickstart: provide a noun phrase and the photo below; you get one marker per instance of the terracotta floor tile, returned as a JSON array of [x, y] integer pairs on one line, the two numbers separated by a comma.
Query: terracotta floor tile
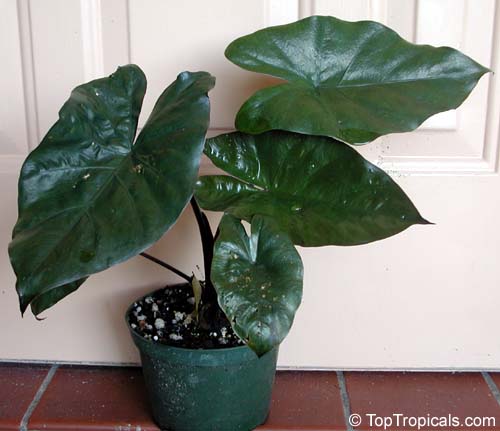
[[306, 401], [420, 395], [18, 386], [94, 398]]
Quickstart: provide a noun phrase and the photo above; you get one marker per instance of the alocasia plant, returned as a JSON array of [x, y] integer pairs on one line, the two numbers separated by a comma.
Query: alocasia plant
[[89, 197]]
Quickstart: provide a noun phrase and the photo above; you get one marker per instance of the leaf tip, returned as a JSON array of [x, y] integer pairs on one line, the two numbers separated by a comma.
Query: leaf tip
[[40, 319], [202, 79], [425, 221], [23, 305]]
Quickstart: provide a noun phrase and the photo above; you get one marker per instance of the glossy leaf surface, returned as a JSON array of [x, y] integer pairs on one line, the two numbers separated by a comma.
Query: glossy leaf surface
[[89, 198], [353, 81], [258, 280], [319, 190]]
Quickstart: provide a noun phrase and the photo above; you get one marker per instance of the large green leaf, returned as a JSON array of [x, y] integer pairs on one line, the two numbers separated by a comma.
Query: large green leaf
[[319, 190], [89, 198], [353, 81], [258, 280]]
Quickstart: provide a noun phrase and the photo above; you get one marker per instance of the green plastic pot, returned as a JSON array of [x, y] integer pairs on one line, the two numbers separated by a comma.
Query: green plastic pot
[[206, 390]]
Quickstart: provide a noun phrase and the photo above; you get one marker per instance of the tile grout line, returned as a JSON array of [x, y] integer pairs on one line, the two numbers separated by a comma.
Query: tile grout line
[[492, 385], [346, 405], [38, 396]]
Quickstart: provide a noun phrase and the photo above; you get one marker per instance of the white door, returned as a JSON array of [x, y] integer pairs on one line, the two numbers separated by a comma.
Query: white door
[[427, 298]]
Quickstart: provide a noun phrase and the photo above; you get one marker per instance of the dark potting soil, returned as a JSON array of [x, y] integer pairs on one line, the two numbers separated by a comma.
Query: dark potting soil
[[167, 317]]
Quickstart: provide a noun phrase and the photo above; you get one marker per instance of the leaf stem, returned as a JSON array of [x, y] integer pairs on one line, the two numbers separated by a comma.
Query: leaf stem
[[209, 295], [166, 265]]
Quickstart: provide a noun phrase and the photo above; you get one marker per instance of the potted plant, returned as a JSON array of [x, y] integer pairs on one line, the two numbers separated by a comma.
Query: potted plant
[[89, 198]]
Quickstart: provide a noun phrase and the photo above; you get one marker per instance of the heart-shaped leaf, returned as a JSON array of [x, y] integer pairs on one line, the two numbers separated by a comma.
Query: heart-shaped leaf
[[89, 198], [319, 190], [258, 280], [353, 81]]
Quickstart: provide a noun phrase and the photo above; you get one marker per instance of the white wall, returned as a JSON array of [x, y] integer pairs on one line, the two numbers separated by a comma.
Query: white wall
[[427, 298]]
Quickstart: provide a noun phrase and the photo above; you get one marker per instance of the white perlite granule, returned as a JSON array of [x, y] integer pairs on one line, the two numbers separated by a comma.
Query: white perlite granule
[[159, 323]]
